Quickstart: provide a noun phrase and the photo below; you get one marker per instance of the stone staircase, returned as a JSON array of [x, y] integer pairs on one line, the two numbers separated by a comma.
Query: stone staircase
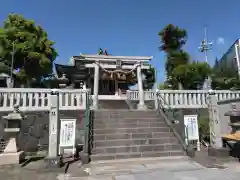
[[122, 134], [112, 104]]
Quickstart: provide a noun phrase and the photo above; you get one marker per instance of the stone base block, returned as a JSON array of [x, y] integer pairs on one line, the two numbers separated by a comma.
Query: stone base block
[[191, 152], [85, 158], [218, 152], [53, 162], [141, 107], [12, 158]]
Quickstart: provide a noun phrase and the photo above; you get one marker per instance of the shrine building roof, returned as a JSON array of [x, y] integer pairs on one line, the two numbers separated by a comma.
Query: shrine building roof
[[94, 57]]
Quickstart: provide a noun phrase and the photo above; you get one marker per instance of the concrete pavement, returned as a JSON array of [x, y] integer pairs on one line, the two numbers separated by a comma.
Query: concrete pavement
[[180, 168], [177, 168]]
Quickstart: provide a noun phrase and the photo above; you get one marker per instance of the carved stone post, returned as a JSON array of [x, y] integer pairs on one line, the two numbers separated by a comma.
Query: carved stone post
[[216, 146], [53, 159], [156, 100], [83, 93], [214, 121]]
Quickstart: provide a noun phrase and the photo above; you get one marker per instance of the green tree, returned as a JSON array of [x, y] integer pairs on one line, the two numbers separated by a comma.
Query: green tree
[[149, 79], [192, 75], [224, 77], [179, 69], [173, 38], [34, 53], [163, 86]]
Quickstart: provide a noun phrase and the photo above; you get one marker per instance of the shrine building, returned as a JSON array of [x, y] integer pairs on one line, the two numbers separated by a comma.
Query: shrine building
[[107, 76]]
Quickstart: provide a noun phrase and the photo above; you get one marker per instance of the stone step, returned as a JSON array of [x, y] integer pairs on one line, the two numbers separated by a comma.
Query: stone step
[[127, 142], [127, 120], [124, 113], [136, 148], [133, 135], [113, 104], [164, 160], [129, 124], [113, 156], [130, 130]]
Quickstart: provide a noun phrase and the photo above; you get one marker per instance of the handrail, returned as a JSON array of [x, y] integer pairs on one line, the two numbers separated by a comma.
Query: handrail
[[160, 108]]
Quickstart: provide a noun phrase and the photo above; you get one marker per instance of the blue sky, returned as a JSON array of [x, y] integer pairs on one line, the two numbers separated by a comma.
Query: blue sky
[[129, 27]]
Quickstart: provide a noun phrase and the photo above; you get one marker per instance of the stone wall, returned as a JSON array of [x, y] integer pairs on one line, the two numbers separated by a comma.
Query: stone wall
[[178, 114], [225, 106], [34, 130]]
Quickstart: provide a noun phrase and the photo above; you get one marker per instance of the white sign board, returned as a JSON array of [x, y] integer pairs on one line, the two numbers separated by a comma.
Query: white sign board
[[191, 124], [67, 133]]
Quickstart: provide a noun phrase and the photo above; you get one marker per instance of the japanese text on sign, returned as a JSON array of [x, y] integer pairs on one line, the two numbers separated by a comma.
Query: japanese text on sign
[[67, 132], [191, 124]]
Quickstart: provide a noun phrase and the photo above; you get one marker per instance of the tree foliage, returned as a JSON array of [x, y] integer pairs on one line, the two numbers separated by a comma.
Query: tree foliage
[[34, 53], [192, 75], [149, 79], [163, 86], [224, 77], [173, 38], [179, 69]]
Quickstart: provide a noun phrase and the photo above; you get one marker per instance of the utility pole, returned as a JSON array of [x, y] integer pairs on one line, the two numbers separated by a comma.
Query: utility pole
[[204, 47]]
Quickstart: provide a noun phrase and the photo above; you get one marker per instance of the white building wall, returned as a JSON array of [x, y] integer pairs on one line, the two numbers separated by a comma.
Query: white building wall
[[231, 59]]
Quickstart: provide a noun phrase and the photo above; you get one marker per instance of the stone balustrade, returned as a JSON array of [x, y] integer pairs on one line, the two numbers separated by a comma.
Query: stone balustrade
[[184, 98], [31, 99]]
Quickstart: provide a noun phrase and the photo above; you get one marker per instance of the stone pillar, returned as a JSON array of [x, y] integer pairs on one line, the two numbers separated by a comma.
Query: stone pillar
[[116, 87], [96, 87], [83, 93], [9, 82], [141, 104], [214, 122], [53, 159], [156, 98], [84, 86]]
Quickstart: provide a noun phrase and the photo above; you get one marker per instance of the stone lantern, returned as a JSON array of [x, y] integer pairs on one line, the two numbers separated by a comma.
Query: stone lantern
[[63, 81], [11, 154], [82, 85]]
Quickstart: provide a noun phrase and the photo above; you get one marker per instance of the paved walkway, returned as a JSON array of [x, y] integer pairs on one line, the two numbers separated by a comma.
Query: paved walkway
[[142, 169], [153, 169]]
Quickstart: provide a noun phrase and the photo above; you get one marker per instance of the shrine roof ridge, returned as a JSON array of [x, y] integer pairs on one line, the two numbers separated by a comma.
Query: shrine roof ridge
[[110, 57]]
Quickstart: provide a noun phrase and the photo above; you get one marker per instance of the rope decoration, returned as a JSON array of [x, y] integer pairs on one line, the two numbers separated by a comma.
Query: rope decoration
[[117, 70]]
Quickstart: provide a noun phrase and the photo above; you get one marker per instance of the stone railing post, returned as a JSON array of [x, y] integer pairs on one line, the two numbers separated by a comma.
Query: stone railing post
[[83, 92], [156, 98], [214, 121], [53, 159]]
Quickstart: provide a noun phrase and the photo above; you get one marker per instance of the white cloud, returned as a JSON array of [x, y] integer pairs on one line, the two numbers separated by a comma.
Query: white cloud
[[220, 40]]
